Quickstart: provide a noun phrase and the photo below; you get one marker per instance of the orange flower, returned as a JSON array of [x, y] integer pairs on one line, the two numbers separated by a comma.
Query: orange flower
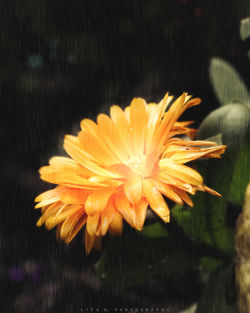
[[121, 165]]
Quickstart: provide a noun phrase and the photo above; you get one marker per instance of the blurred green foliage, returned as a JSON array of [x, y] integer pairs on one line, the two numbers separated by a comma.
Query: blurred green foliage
[[155, 230], [241, 173], [139, 259], [219, 295], [158, 250]]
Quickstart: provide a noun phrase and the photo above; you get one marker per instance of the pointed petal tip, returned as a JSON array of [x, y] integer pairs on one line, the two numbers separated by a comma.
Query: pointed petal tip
[[38, 205], [41, 170], [87, 250], [165, 96], [116, 225], [211, 191], [166, 218], [37, 198], [39, 223], [88, 242], [138, 227]]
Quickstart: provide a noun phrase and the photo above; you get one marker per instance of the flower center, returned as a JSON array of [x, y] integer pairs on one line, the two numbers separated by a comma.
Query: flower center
[[137, 164]]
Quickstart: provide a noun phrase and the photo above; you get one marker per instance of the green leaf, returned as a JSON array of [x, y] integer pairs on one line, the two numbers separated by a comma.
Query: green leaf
[[219, 294], [218, 176], [193, 221], [217, 139], [155, 230], [231, 120], [227, 83], [206, 221], [218, 173], [241, 173], [245, 28]]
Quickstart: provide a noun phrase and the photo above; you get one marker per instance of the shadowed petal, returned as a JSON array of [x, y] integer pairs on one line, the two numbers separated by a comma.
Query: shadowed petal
[[88, 242], [69, 223], [155, 200], [107, 217], [92, 224], [123, 206], [78, 226], [116, 225], [141, 213]]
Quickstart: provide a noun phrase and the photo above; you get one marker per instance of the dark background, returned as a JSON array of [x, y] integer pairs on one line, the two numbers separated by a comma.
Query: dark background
[[61, 61]]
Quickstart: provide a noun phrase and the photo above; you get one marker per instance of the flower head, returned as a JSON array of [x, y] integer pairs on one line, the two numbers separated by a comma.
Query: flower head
[[121, 165]]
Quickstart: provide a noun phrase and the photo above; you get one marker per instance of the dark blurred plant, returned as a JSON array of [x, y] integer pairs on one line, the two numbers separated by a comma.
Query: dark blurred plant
[[201, 238]]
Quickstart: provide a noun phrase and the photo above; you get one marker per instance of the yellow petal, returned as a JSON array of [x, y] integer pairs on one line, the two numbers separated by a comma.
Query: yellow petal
[[47, 202], [127, 113], [184, 197], [119, 118], [154, 117], [92, 224], [141, 213], [133, 190], [181, 156], [194, 142], [192, 102], [162, 106], [173, 181], [181, 172], [155, 200], [74, 149], [115, 227], [89, 125], [121, 170], [50, 194], [168, 191], [169, 119], [123, 206], [78, 226], [106, 217], [74, 196], [182, 124], [58, 230], [65, 173], [94, 146], [97, 201], [88, 242], [110, 135], [51, 210], [69, 223], [138, 124], [210, 190], [151, 162], [54, 220]]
